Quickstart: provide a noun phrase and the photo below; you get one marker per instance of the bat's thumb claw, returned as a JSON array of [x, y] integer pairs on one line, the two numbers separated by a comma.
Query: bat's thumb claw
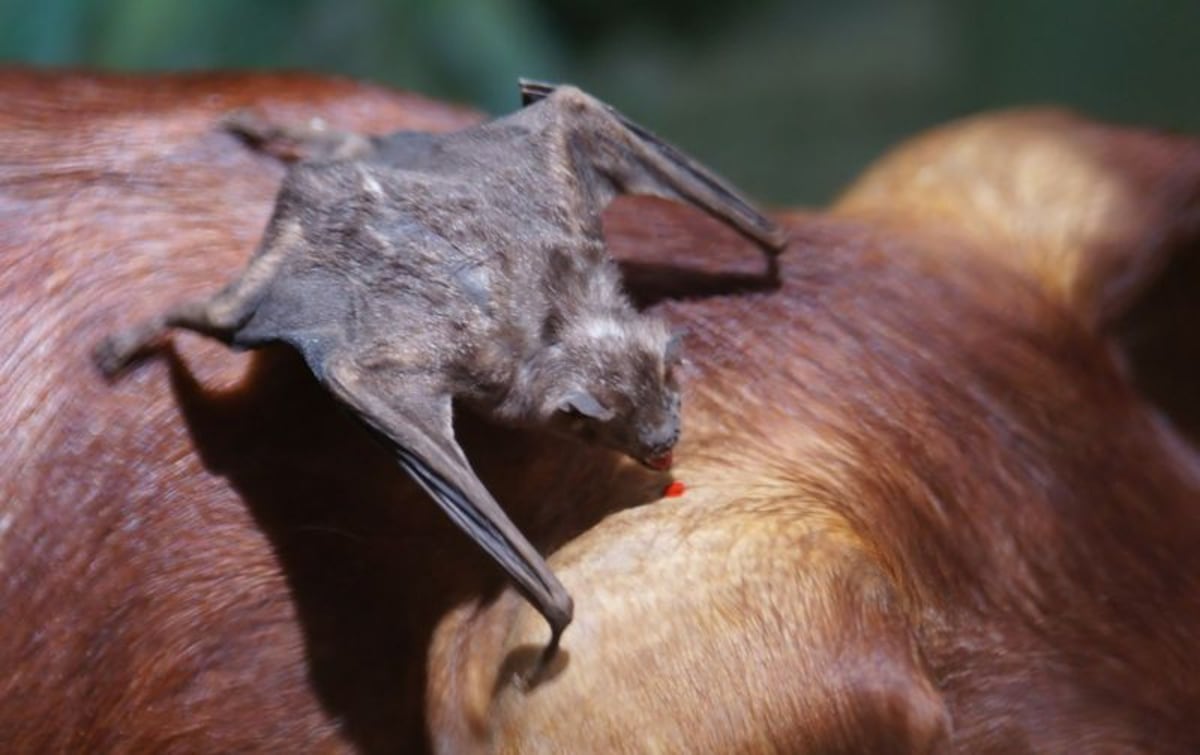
[[548, 664], [780, 237], [550, 661]]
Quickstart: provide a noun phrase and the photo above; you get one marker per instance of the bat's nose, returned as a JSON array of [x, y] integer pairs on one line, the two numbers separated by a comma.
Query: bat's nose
[[661, 439]]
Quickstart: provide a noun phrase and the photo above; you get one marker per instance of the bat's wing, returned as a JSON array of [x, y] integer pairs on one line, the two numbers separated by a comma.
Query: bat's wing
[[416, 421], [635, 161]]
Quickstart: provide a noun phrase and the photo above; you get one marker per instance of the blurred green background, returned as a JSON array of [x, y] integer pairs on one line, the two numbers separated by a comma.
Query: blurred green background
[[790, 99]]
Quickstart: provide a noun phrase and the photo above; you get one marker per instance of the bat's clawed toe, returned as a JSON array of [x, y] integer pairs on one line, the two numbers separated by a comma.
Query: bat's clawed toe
[[119, 350], [292, 142], [259, 134], [248, 126], [252, 127]]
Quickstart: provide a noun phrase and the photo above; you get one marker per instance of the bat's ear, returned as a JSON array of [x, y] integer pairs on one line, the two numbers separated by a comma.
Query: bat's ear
[[673, 354], [585, 404]]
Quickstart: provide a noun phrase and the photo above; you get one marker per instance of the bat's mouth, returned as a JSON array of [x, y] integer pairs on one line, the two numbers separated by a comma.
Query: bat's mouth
[[660, 463]]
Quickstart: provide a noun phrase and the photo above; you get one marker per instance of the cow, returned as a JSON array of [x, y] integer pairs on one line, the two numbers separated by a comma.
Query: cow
[[942, 492]]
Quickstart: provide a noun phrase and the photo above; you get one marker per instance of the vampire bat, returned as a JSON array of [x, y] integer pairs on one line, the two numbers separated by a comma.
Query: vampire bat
[[414, 269]]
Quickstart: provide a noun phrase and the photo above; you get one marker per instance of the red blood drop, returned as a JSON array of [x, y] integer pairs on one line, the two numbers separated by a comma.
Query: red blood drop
[[674, 490]]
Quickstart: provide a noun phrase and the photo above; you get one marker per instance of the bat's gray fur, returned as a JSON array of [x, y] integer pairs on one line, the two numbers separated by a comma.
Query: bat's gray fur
[[414, 269]]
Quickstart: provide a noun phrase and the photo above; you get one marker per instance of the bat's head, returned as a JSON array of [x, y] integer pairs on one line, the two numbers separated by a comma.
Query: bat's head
[[614, 385]]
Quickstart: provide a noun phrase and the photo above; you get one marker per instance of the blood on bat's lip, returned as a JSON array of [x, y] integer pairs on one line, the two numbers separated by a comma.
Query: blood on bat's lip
[[660, 463]]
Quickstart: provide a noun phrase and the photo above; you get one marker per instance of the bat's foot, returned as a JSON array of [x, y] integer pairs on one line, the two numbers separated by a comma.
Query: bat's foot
[[261, 135], [123, 348], [247, 124], [294, 142]]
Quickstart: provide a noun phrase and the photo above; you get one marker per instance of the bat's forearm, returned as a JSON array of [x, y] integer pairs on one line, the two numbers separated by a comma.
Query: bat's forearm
[[651, 166]]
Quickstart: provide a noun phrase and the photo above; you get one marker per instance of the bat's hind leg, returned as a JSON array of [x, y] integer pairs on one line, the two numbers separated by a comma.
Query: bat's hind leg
[[218, 317], [292, 142]]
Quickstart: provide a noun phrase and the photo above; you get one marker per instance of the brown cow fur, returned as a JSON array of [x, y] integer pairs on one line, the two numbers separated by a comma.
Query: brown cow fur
[[927, 509]]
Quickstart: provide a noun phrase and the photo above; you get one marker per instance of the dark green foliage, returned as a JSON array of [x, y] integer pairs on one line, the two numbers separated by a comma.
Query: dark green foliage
[[790, 98]]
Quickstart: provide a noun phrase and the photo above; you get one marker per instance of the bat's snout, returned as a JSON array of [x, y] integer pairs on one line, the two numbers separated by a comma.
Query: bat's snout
[[656, 446]]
